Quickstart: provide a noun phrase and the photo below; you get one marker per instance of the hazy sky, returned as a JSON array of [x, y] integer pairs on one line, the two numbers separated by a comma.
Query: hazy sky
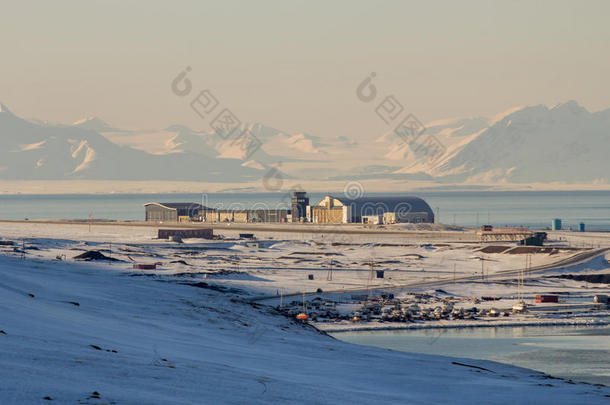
[[295, 65]]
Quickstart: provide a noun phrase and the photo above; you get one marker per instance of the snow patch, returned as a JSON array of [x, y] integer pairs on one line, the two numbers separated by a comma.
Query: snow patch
[[499, 117], [82, 121], [32, 146], [231, 150], [94, 124], [89, 155], [173, 144], [253, 164], [302, 143], [443, 122]]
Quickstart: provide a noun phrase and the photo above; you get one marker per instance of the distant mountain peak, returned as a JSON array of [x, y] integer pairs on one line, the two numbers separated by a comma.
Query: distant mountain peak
[[534, 144], [179, 128], [95, 124], [523, 145], [500, 116], [4, 109], [570, 106], [87, 119]]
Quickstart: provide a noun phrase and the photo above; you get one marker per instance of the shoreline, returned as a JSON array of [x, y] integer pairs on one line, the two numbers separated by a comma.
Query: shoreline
[[102, 187], [373, 328]]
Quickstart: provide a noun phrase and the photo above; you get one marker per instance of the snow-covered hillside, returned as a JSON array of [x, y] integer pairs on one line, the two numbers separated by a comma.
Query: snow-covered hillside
[[77, 333]]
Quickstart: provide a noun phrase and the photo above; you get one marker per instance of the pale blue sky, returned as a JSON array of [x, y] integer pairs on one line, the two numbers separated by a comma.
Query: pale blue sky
[[295, 65]]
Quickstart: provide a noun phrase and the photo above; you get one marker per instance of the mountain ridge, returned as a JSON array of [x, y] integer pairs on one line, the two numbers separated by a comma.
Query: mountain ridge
[[526, 144]]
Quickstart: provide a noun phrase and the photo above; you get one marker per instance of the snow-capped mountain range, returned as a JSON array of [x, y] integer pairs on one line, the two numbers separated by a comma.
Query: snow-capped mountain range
[[35, 151], [536, 144]]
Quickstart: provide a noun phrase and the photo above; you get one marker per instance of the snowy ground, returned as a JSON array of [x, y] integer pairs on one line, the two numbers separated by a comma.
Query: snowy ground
[[282, 262], [72, 329]]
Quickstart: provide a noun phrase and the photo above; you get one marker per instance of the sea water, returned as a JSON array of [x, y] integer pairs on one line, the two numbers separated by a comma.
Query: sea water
[[534, 209], [570, 352]]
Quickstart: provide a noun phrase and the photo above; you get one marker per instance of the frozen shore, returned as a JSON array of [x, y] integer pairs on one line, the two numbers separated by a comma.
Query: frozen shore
[[344, 327]]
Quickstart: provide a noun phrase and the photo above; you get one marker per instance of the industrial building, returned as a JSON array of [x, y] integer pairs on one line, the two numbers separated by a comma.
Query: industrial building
[[373, 210], [300, 202], [331, 210], [194, 212], [243, 216], [202, 233], [174, 212]]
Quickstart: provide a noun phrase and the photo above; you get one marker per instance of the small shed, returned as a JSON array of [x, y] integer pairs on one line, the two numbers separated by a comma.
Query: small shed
[[547, 298]]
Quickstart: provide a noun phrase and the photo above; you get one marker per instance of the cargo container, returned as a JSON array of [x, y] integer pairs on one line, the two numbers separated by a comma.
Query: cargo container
[[144, 266], [547, 298]]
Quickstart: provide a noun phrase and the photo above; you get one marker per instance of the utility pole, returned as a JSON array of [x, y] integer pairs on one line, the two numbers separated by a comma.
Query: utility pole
[[370, 279], [453, 273]]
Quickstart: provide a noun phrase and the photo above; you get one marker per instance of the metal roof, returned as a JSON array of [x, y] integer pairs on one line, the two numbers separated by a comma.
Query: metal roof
[[181, 206], [376, 205]]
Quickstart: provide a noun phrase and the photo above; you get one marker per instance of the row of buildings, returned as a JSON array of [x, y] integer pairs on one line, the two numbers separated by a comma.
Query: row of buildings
[[330, 210]]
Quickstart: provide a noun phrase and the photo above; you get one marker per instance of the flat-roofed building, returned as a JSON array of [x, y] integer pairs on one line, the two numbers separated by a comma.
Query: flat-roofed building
[[243, 216]]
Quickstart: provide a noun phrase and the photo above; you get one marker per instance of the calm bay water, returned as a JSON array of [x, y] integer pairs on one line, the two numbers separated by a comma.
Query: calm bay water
[[577, 353], [505, 208]]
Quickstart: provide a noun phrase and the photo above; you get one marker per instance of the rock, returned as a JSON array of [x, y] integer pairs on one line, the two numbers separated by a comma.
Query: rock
[[94, 255]]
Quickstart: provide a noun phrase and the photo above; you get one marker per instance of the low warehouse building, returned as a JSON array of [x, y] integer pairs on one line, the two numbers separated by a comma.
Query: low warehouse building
[[261, 215], [333, 210], [174, 212], [243, 216], [203, 233]]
